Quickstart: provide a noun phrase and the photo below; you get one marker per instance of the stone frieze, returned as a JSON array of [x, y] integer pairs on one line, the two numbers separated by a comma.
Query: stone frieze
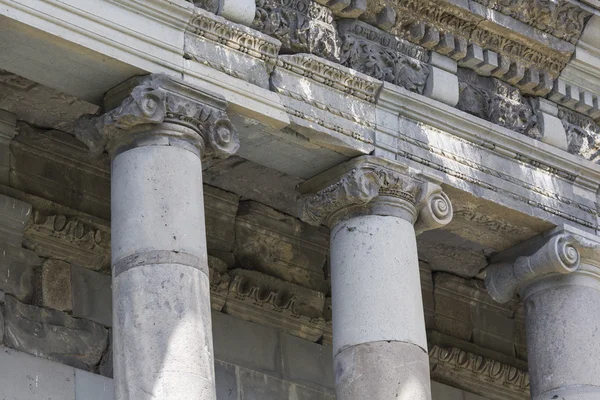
[[383, 56], [302, 26], [583, 134]]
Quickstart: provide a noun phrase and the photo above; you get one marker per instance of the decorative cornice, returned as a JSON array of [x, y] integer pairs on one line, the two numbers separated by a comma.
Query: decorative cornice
[[264, 299], [559, 255], [475, 373], [562, 19], [157, 99], [234, 36], [353, 187], [332, 75]]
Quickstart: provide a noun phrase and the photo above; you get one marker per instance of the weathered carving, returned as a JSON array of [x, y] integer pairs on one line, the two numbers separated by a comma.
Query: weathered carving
[[67, 238], [478, 374], [155, 99], [490, 223], [562, 18], [558, 256], [497, 102], [383, 56], [261, 298], [209, 5], [302, 26], [583, 134], [366, 181], [219, 283]]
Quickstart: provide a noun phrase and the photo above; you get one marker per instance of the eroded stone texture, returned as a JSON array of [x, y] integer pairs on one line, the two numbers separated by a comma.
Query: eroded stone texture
[[16, 272], [56, 285], [220, 209], [497, 102], [281, 246], [231, 48], [219, 283], [383, 56], [92, 295], [54, 165], [583, 134], [53, 334], [302, 26], [273, 302], [69, 238], [464, 310]]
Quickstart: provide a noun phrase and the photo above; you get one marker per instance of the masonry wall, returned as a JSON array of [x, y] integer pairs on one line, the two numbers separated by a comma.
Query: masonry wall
[[253, 363]]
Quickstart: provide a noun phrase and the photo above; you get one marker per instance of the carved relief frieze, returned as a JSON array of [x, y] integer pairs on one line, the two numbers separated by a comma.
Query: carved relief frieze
[[496, 225], [497, 102], [563, 19], [383, 56], [219, 282], [264, 299], [68, 238], [583, 134], [231, 48], [302, 26], [478, 374]]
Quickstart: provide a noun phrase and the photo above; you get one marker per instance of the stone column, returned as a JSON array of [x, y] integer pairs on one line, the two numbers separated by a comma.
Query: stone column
[[379, 341], [560, 285], [157, 129]]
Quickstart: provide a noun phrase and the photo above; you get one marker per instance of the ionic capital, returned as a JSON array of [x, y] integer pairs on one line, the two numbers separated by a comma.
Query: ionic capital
[[138, 110], [371, 185], [563, 254]]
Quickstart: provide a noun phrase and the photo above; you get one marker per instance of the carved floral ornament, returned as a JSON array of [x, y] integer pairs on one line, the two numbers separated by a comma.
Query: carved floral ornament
[[366, 185], [157, 99]]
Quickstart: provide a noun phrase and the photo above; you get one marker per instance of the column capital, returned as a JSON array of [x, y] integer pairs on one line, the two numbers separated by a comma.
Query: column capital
[[372, 185], [138, 110], [563, 253]]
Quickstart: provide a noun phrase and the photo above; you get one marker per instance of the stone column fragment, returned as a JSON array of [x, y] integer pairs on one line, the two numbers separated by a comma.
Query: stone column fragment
[[157, 129], [560, 286], [371, 206]]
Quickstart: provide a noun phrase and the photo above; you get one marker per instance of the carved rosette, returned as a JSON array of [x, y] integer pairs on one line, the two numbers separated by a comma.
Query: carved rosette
[[158, 99], [378, 189]]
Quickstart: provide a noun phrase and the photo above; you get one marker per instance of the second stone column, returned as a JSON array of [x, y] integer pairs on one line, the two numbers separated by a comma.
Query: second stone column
[[157, 129], [379, 341]]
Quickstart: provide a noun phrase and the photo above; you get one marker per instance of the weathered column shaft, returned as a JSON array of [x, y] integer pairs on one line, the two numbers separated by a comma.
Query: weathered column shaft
[[560, 286], [156, 131], [379, 340], [161, 321], [380, 346]]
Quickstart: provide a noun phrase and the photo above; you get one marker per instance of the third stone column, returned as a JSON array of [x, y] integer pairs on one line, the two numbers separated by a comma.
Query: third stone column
[[371, 206], [157, 129]]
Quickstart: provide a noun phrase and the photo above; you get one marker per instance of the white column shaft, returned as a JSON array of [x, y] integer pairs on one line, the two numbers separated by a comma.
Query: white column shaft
[[378, 321], [161, 299]]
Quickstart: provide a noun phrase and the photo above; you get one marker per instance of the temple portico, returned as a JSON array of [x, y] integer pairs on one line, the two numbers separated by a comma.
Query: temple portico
[[299, 200]]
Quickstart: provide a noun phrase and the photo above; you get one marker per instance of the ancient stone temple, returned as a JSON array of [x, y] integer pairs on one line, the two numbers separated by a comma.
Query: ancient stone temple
[[299, 199]]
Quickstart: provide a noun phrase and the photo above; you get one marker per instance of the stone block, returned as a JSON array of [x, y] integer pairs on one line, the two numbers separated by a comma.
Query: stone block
[[494, 331], [303, 393], [105, 367], [25, 377], [427, 293], [257, 386], [452, 317], [92, 295], [281, 245], [8, 124], [75, 239], [307, 364], [552, 130], [16, 271], [269, 301], [443, 62], [246, 344], [14, 214], [226, 381], [219, 282], [56, 166], [220, 209], [90, 386], [442, 86], [56, 285], [53, 334]]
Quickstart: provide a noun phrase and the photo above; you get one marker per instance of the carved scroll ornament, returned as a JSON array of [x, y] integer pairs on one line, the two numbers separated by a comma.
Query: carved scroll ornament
[[157, 99]]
